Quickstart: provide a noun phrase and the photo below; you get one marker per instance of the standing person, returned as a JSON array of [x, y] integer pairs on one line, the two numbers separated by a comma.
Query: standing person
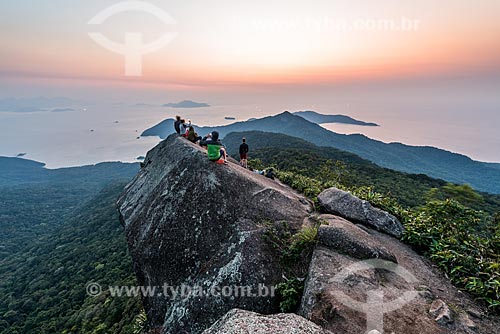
[[244, 153], [177, 124]]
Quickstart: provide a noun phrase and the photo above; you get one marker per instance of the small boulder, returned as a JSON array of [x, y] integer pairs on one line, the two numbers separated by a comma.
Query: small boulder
[[441, 312], [346, 205], [243, 322]]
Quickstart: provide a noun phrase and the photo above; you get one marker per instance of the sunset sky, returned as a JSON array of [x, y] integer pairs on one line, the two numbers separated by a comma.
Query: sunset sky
[[260, 42], [427, 71]]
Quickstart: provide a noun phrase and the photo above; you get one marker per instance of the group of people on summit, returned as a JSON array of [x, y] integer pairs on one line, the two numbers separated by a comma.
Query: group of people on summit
[[215, 149]]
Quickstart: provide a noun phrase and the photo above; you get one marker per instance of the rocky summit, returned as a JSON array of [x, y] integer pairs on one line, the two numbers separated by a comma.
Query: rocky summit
[[196, 229], [196, 224]]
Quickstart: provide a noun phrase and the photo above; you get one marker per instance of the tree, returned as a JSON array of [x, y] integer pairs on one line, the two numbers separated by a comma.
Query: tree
[[464, 194], [331, 171]]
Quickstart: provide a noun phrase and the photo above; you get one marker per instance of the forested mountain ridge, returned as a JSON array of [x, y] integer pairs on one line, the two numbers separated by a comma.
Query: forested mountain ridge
[[59, 231], [16, 171], [318, 118], [35, 200], [431, 161], [291, 153]]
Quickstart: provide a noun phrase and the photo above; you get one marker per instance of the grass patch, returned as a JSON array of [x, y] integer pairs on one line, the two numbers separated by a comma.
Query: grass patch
[[295, 250]]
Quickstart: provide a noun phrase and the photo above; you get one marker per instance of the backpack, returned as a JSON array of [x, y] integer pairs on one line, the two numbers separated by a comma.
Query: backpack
[[213, 151]]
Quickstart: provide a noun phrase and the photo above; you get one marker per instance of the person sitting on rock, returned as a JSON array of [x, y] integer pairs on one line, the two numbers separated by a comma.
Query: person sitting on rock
[[192, 135], [216, 151], [270, 174], [184, 127], [177, 124], [260, 172], [205, 140]]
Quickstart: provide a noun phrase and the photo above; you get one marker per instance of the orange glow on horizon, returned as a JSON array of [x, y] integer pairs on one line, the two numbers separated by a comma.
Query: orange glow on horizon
[[216, 48]]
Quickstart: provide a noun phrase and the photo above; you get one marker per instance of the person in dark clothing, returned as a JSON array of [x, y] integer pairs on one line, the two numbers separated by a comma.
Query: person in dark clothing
[[206, 140], [177, 124], [270, 174], [244, 153]]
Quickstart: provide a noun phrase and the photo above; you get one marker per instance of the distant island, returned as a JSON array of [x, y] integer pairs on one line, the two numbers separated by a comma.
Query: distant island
[[317, 118], [37, 104], [144, 105], [62, 110], [186, 104]]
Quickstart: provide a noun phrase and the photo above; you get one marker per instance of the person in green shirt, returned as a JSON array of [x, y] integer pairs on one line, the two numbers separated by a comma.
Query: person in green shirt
[[215, 148]]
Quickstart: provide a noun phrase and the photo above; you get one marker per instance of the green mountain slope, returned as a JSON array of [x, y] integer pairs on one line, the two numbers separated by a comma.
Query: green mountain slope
[[35, 200], [291, 153], [16, 171], [59, 230]]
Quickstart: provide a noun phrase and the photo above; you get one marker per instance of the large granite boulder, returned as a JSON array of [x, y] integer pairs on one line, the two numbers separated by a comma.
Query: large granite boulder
[[369, 282], [350, 239], [195, 225], [244, 322], [344, 204]]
